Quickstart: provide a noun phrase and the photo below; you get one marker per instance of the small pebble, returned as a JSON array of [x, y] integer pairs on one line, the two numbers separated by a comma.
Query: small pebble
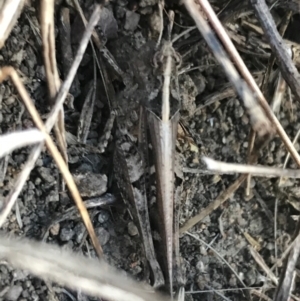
[[20, 275], [79, 232], [34, 296], [232, 281], [91, 184], [25, 294], [250, 277], [37, 181], [270, 246], [14, 293], [200, 266], [46, 174], [66, 234], [10, 100], [27, 283], [203, 251], [39, 162], [103, 216], [53, 196], [136, 270], [108, 23], [132, 20], [102, 235], [132, 229], [54, 230]]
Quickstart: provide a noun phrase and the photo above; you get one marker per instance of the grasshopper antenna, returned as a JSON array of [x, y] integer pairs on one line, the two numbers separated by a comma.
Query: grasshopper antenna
[[161, 5], [171, 23]]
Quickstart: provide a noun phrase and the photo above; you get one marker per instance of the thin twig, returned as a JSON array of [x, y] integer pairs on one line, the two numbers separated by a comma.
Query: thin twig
[[287, 67], [260, 295], [95, 39], [280, 89], [219, 256], [275, 232], [285, 283], [110, 59], [251, 144], [223, 197], [102, 201], [259, 260], [223, 290], [281, 180]]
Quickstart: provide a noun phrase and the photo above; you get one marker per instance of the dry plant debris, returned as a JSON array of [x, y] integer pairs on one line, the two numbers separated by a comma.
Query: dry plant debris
[[116, 103]]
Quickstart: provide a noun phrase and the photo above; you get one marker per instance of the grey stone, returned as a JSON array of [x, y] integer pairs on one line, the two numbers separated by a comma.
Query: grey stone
[[108, 23], [20, 275], [14, 293], [132, 229], [91, 184], [103, 216], [66, 234], [102, 235], [79, 232], [46, 174], [131, 21]]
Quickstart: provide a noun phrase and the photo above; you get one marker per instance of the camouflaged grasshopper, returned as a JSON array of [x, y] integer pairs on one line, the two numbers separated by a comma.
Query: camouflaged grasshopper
[[163, 114], [158, 112]]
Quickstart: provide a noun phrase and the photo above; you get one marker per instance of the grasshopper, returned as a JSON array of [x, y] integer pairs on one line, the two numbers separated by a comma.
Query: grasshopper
[[163, 114], [158, 112]]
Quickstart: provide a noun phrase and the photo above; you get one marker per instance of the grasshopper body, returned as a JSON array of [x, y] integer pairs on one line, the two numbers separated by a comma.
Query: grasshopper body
[[163, 117], [163, 135]]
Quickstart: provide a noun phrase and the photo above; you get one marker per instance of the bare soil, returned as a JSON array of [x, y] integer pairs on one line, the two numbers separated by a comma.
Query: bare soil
[[219, 130]]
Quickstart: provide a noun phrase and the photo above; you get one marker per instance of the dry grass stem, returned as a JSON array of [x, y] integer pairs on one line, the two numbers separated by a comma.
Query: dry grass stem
[[263, 102], [11, 198], [74, 271], [287, 275], [259, 260], [260, 295], [259, 121], [278, 94], [53, 81], [282, 29], [10, 11], [287, 67], [251, 143], [281, 180], [10, 72], [254, 170], [10, 142], [110, 59]]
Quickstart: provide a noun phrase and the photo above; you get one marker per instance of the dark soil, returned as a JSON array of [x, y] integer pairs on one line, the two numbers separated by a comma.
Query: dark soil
[[219, 130]]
